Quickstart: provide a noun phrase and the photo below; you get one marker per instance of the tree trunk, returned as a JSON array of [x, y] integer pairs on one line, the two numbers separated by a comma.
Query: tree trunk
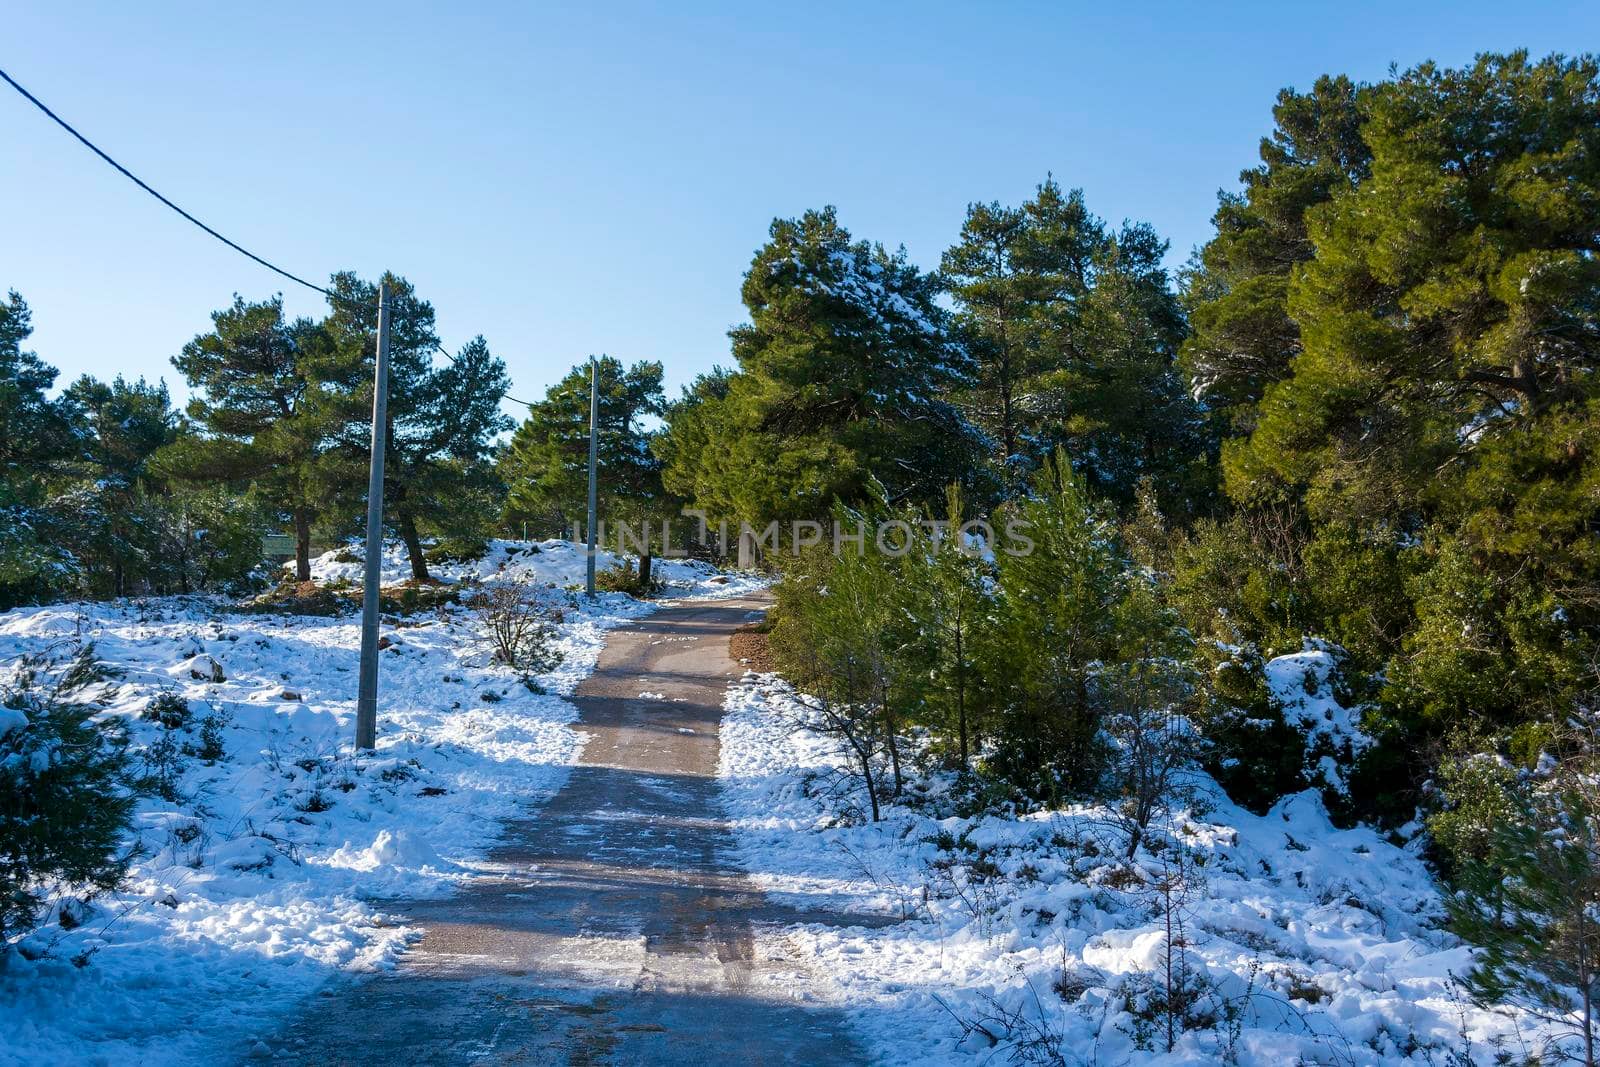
[[645, 566], [872, 789], [302, 545], [889, 725], [961, 698], [408, 533]]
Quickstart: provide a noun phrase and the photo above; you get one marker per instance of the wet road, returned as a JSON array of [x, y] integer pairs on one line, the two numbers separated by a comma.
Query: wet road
[[615, 928]]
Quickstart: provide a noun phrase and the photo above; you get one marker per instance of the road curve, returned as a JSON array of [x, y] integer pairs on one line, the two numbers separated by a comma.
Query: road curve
[[616, 928]]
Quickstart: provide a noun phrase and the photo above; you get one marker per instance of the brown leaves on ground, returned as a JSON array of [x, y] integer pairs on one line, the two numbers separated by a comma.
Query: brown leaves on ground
[[748, 645]]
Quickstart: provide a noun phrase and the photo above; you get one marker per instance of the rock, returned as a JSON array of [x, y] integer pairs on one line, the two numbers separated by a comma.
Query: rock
[[73, 913], [289, 694], [206, 669]]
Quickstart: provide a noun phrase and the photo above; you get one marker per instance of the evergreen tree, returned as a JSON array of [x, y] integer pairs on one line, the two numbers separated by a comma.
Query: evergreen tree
[[38, 441], [998, 303], [65, 807], [944, 591], [1056, 624], [683, 445], [546, 466], [267, 410], [441, 419], [1446, 398], [112, 515], [1074, 331], [1237, 287], [1530, 901], [845, 368]]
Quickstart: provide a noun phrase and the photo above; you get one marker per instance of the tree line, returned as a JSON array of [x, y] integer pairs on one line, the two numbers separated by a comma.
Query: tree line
[[108, 490], [1364, 413]]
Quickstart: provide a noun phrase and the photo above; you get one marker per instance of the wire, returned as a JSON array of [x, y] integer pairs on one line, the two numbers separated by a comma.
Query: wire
[[135, 179]]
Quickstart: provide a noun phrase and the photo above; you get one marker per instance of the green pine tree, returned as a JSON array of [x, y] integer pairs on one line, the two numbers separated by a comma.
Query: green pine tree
[[546, 466], [267, 408], [1236, 288], [845, 372], [37, 444], [441, 418]]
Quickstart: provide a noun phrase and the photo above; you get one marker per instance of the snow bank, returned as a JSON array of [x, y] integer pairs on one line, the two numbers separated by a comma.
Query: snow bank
[[1019, 937]]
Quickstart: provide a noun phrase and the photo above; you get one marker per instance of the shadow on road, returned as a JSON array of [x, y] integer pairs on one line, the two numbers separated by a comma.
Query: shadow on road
[[613, 926]]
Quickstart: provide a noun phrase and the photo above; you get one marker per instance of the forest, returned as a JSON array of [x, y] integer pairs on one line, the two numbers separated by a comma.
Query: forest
[[1361, 421]]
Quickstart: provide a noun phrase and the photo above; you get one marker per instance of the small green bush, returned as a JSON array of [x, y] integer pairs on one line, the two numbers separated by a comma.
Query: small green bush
[[169, 709], [623, 577], [457, 550], [65, 801]]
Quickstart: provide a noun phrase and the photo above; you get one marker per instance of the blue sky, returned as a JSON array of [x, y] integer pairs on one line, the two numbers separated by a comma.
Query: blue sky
[[567, 179]]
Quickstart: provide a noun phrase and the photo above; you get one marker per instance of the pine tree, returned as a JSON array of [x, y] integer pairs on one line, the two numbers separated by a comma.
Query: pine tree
[[1446, 397], [998, 303], [37, 442], [1074, 332], [114, 524], [441, 419], [1057, 623], [1529, 905], [546, 466], [1237, 287], [844, 375], [684, 448], [943, 591], [267, 410], [65, 806]]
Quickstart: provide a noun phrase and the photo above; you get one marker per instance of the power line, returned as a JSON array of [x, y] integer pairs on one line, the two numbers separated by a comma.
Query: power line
[[135, 179]]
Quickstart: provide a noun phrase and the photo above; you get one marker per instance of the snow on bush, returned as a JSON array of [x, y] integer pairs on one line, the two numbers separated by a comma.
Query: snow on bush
[[1028, 939], [1303, 687]]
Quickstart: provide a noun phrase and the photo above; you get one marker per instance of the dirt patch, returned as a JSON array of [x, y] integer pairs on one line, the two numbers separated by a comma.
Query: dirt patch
[[344, 598], [749, 647]]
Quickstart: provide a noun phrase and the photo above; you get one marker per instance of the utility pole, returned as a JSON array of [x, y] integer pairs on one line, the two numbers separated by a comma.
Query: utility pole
[[367, 692], [594, 463]]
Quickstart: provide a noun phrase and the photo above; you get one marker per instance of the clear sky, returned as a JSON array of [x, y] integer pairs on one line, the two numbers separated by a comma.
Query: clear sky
[[578, 178]]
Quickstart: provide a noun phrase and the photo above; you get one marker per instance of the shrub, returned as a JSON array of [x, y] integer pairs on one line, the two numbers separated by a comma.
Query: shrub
[[210, 748], [1250, 749], [1529, 899], [65, 805], [1057, 622], [517, 629], [832, 639], [457, 550], [624, 577], [169, 709]]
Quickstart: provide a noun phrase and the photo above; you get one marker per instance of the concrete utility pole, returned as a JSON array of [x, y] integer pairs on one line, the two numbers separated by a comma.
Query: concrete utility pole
[[594, 463], [367, 692]]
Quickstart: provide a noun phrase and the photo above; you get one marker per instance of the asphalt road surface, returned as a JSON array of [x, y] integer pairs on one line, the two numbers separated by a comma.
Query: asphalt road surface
[[613, 926]]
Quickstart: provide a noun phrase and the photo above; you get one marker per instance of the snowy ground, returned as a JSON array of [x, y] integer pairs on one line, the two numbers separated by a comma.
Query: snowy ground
[[563, 563], [259, 881], [1027, 940]]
